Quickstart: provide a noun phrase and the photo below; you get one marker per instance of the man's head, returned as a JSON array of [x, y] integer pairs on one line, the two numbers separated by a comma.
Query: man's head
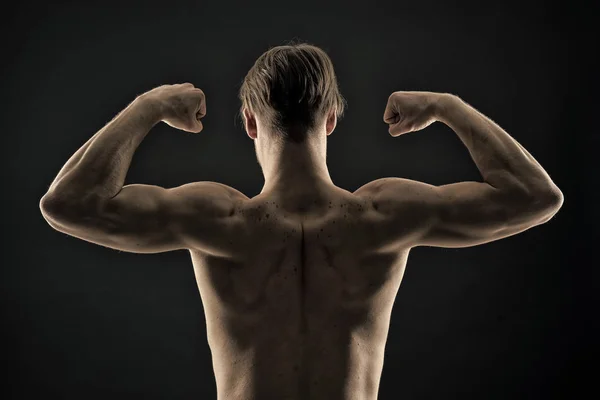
[[291, 93]]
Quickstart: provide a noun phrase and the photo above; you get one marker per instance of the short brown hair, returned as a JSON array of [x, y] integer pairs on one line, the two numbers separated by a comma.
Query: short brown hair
[[293, 86]]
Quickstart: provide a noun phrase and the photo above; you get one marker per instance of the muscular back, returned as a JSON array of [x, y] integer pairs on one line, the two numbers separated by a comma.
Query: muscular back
[[298, 287], [301, 309]]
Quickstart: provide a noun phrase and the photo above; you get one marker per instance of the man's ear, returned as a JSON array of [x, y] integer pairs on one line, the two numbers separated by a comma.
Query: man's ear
[[331, 122], [250, 124]]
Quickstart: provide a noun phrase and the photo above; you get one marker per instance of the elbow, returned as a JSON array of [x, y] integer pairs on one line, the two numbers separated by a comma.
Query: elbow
[[60, 211], [552, 199], [49, 206], [547, 202], [55, 210], [558, 198]]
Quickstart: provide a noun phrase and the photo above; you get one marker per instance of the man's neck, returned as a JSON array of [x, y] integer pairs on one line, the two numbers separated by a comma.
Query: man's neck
[[297, 169]]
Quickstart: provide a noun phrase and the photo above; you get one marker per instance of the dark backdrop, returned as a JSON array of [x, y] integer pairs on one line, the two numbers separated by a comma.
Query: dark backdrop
[[512, 319]]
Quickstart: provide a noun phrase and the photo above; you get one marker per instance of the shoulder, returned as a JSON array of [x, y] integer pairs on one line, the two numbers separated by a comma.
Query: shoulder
[[207, 215], [213, 197], [390, 195], [402, 209], [209, 187]]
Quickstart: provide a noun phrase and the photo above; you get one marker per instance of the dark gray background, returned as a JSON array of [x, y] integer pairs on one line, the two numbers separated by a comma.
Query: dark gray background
[[514, 319]]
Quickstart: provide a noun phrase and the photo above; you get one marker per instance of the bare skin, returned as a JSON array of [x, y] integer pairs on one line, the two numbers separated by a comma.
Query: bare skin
[[298, 282]]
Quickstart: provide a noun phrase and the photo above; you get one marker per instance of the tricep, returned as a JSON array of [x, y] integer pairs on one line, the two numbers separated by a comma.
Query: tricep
[[150, 219], [457, 215]]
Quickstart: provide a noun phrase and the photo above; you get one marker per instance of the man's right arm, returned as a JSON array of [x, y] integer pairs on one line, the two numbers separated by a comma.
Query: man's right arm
[[516, 193]]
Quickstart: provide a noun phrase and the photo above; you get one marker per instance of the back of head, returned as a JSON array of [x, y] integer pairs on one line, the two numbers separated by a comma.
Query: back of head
[[292, 87]]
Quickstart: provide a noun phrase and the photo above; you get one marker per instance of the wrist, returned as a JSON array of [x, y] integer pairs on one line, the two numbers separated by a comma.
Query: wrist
[[442, 103], [151, 106]]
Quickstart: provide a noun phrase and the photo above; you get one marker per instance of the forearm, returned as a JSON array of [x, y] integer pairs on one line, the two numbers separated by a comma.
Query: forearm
[[502, 161], [100, 166], [74, 159]]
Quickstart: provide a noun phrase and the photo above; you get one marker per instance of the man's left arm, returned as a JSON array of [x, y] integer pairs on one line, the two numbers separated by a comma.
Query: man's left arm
[[88, 200]]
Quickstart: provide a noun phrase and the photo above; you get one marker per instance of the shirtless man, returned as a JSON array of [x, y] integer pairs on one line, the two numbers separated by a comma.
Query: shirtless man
[[297, 282]]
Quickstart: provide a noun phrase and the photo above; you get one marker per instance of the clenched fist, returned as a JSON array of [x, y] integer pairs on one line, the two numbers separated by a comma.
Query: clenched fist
[[410, 111], [180, 106]]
